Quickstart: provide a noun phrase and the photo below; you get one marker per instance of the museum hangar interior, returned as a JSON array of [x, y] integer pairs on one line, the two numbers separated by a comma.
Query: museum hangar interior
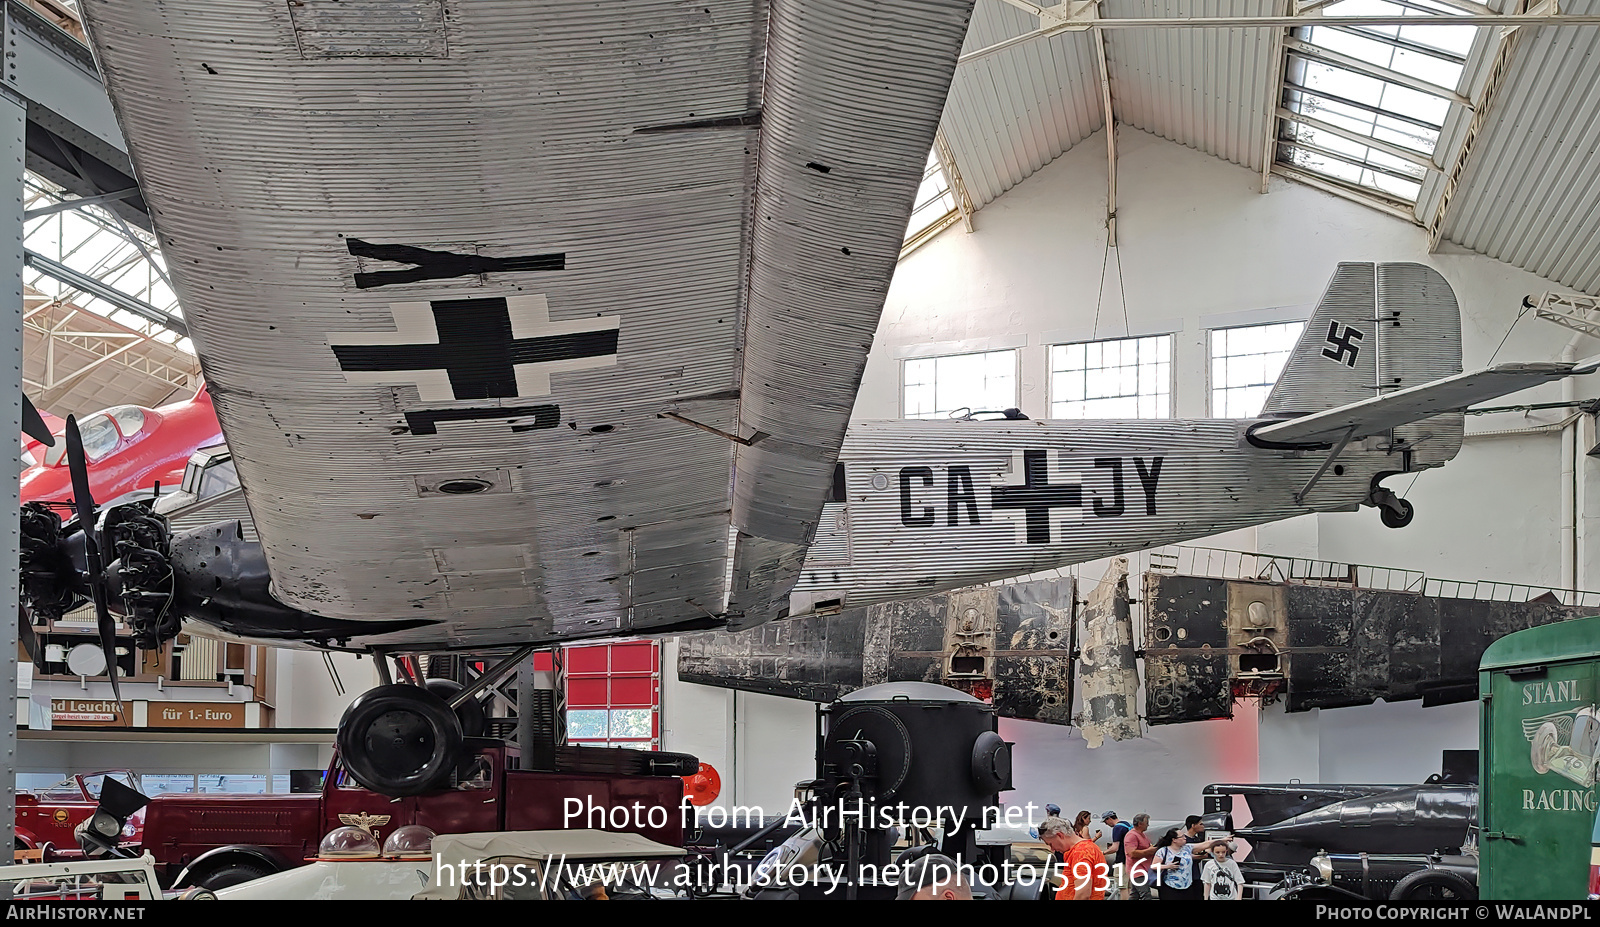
[[1148, 224]]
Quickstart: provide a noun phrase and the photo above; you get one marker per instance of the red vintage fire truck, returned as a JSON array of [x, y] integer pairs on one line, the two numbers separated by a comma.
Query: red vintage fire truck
[[213, 841], [46, 817]]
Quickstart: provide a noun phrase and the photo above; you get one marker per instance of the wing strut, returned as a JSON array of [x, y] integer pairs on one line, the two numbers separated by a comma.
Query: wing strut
[[1332, 455]]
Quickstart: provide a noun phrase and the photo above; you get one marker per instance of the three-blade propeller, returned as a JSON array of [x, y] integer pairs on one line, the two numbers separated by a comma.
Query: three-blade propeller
[[83, 499]]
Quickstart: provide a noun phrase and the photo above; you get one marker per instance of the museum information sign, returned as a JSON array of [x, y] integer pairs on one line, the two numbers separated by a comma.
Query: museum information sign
[[196, 714]]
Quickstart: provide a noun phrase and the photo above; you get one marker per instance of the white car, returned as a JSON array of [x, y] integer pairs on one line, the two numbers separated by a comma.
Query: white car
[[516, 865], [90, 880]]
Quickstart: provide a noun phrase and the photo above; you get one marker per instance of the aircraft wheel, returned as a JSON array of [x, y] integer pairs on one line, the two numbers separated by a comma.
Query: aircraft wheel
[[474, 720], [1397, 517], [399, 740]]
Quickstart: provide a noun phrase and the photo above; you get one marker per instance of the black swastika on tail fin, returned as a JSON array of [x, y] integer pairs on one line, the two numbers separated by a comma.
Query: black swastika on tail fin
[[1343, 348]]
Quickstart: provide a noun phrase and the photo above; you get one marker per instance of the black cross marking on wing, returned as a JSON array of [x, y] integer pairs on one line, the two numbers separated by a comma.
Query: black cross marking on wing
[[537, 418], [1036, 496], [476, 349], [441, 265], [1343, 347]]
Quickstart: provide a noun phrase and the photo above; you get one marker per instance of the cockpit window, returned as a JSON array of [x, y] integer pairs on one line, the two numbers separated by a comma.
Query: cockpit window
[[100, 437], [130, 419], [218, 477]]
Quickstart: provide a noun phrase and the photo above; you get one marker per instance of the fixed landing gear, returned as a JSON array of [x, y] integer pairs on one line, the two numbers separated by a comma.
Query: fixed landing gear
[[399, 740], [407, 738], [1395, 511]]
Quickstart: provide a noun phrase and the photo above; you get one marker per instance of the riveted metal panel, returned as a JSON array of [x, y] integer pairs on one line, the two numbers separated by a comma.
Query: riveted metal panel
[[1027, 638], [1110, 677], [340, 195], [1186, 671]]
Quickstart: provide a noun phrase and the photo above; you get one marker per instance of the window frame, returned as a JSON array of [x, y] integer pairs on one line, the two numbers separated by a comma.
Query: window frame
[[1016, 382], [1171, 380], [1211, 359]]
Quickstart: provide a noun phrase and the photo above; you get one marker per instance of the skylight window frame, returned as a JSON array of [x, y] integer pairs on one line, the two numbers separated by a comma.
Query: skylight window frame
[[1384, 126], [920, 236]]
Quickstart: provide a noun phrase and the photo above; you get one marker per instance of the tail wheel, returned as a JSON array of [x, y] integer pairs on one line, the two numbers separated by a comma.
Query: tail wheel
[[1399, 516], [474, 720], [399, 740]]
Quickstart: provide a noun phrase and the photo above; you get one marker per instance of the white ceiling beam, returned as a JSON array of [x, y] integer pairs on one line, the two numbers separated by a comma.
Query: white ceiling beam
[[64, 205], [1081, 22], [53, 390], [1276, 61], [1392, 150], [952, 179]]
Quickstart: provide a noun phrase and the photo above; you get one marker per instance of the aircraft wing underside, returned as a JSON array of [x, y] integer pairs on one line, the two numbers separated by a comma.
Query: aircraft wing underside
[[448, 264]]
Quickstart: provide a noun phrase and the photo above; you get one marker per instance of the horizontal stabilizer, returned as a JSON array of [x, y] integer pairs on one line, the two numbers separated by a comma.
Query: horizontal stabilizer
[[1391, 410]]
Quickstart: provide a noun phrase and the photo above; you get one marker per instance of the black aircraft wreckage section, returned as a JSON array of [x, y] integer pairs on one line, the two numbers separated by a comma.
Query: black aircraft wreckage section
[[1012, 644], [1208, 641]]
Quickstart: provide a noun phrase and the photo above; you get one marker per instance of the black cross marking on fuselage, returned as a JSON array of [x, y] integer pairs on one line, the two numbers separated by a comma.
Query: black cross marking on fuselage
[[1344, 347], [476, 349], [441, 265], [1036, 496]]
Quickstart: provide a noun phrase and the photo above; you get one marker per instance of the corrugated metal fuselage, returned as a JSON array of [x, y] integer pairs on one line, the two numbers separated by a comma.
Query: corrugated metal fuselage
[[939, 505]]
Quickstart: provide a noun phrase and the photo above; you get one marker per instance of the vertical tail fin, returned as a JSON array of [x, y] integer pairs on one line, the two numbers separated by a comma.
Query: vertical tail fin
[[1378, 328]]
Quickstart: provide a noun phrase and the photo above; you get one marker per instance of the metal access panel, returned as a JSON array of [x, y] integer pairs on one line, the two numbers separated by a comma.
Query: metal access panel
[[1011, 644]]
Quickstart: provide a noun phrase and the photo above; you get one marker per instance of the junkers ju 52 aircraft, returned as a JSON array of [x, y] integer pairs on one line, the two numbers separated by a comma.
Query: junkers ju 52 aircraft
[[537, 322]]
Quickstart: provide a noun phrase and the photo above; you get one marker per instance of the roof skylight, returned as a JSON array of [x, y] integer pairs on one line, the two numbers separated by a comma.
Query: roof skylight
[[91, 240], [1363, 105], [936, 205]]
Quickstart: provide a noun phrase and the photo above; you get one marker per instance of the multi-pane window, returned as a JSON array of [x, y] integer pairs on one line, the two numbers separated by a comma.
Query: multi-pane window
[[614, 695], [1363, 105], [1245, 363], [934, 387], [1119, 378]]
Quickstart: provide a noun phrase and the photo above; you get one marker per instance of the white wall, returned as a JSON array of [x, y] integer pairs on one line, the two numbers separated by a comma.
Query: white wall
[[1200, 247], [306, 696]]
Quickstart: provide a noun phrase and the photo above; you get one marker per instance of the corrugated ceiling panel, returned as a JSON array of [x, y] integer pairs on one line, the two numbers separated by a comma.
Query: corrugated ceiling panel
[[1207, 89], [1531, 192], [1015, 111]]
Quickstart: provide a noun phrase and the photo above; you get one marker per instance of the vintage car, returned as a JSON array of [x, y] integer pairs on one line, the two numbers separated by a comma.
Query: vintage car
[[47, 817], [532, 865], [121, 879], [1382, 877]]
